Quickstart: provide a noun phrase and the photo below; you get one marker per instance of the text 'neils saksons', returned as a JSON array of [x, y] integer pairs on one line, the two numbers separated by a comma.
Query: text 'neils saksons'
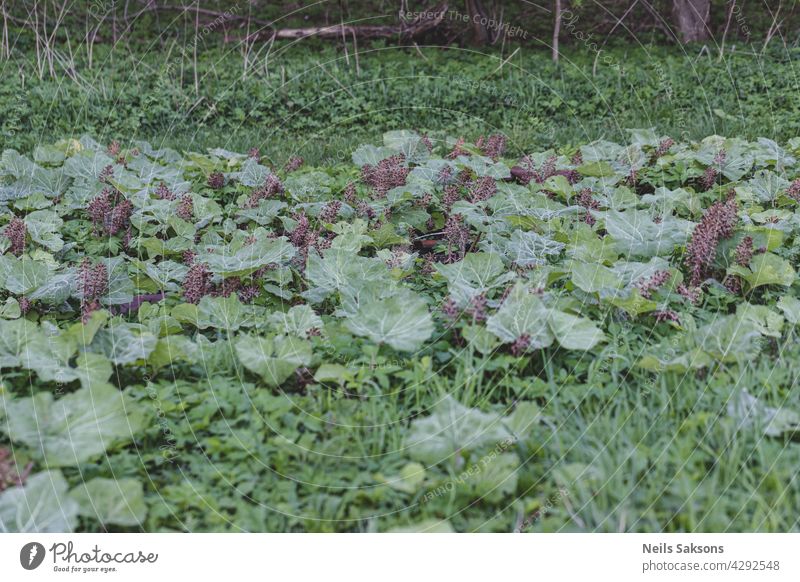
[[664, 548]]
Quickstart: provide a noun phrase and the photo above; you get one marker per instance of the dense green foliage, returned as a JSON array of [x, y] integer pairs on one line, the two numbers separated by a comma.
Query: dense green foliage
[[408, 339], [321, 105]]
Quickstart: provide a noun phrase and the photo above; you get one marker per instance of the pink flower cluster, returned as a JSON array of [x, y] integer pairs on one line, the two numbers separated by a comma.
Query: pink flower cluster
[[650, 284], [216, 180], [451, 196], [712, 172], [664, 146], [294, 163], [521, 345], [389, 173], [110, 212], [196, 284], [349, 193], [744, 252], [93, 281], [272, 187], [482, 189], [717, 224], [185, 210], [457, 235], [163, 192], [458, 149], [331, 211], [589, 202], [794, 190], [493, 147], [17, 233]]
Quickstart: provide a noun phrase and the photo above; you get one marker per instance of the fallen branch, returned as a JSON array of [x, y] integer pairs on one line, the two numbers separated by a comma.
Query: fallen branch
[[426, 21]]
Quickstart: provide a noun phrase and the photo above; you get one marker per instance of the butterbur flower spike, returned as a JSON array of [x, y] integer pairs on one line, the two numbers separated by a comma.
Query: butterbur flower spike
[[185, 210], [521, 345], [17, 233], [294, 164], [196, 283], [717, 224], [216, 180]]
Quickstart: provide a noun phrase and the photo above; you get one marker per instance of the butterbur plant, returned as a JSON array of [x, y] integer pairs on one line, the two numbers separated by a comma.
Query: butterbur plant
[[493, 147], [655, 281], [456, 234], [744, 252], [330, 211], [163, 192], [389, 173], [717, 224], [17, 233], [93, 280], [483, 189], [712, 172], [185, 210], [793, 191], [196, 284], [216, 180], [294, 164], [110, 212], [485, 289]]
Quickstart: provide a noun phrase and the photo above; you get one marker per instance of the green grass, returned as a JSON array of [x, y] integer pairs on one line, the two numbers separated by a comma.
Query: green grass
[[319, 105], [634, 452]]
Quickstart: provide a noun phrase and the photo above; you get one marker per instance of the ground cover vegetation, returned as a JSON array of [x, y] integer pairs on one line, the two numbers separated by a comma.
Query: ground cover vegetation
[[435, 335]]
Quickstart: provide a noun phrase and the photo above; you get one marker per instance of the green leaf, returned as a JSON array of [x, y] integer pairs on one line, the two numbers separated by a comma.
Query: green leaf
[[450, 429], [124, 343], [574, 332], [766, 269], [252, 173], [477, 273], [791, 308], [227, 262], [528, 249], [41, 506], [594, 277], [273, 358], [637, 234], [111, 501], [749, 411], [44, 227], [522, 313], [411, 477], [297, 321], [401, 321], [730, 338], [74, 428], [596, 170], [492, 478], [221, 312], [23, 275]]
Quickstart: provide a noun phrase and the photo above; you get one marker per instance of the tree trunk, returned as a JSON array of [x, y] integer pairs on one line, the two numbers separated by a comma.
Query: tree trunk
[[691, 19], [556, 29], [478, 19]]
